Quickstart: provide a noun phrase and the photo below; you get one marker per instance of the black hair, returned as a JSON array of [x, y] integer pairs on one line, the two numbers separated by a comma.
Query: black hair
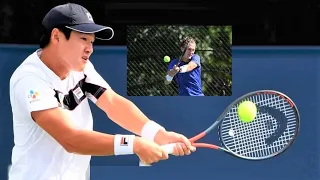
[[46, 35]]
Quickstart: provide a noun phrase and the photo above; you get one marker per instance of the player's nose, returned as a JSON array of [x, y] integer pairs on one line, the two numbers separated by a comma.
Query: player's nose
[[89, 49]]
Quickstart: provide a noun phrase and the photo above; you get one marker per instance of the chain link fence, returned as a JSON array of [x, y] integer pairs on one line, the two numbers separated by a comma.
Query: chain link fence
[[147, 45]]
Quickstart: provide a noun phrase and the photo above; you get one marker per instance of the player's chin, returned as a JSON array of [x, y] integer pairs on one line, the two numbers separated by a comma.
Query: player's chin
[[84, 60], [79, 68], [81, 65]]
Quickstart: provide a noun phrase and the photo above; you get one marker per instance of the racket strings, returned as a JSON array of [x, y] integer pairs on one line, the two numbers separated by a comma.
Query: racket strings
[[249, 139]]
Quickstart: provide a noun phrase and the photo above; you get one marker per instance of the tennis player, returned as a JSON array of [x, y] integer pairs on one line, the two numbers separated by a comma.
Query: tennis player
[[52, 120], [187, 73]]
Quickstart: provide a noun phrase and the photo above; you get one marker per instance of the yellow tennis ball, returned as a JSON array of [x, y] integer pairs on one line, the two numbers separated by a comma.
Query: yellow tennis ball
[[166, 59], [247, 111]]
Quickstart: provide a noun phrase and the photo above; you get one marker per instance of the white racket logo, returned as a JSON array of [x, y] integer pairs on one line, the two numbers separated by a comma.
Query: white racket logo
[[231, 132]]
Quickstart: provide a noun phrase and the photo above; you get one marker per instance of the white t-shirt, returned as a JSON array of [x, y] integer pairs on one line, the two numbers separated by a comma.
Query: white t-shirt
[[33, 87]]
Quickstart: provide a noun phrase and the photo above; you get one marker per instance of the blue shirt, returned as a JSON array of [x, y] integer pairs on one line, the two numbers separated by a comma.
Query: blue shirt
[[189, 82]]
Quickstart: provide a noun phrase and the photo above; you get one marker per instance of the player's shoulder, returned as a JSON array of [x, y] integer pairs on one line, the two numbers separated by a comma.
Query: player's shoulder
[[30, 68], [196, 56], [90, 70], [89, 66], [174, 61]]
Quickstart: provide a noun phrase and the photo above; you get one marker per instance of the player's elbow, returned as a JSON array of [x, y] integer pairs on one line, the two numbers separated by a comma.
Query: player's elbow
[[71, 142], [70, 149]]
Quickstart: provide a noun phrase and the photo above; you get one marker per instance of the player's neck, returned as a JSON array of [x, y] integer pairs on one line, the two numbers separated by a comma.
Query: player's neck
[[185, 59], [52, 62]]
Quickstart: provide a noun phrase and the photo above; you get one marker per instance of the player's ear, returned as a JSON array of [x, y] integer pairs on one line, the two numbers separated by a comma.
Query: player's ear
[[55, 36]]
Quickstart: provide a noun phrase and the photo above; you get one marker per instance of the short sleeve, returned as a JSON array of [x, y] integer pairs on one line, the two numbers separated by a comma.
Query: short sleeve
[[196, 58], [34, 94], [95, 85], [170, 66]]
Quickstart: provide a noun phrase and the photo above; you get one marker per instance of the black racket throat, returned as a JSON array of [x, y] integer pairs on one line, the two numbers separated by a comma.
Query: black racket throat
[[183, 53]]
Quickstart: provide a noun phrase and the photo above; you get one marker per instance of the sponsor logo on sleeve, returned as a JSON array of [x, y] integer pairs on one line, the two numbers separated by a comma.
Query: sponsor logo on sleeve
[[34, 96]]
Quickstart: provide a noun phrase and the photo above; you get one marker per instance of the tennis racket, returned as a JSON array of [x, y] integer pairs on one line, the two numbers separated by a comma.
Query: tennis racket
[[181, 56], [183, 52], [274, 129]]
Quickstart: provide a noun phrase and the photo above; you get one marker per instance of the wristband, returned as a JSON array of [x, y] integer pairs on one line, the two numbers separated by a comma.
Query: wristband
[[123, 144], [169, 78], [150, 129], [183, 68]]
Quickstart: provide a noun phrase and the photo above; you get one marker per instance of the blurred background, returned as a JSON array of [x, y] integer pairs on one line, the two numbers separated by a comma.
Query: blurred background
[[267, 22], [147, 46]]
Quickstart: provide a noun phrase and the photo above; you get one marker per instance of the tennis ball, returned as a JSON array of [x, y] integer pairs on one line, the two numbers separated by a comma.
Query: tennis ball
[[166, 59], [247, 111]]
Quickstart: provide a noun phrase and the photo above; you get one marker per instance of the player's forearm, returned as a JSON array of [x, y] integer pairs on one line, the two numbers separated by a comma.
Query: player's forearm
[[169, 76], [172, 73], [90, 143], [168, 79], [127, 115], [186, 68], [95, 143]]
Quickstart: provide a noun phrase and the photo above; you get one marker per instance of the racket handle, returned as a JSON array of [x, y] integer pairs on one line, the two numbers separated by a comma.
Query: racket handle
[[167, 148]]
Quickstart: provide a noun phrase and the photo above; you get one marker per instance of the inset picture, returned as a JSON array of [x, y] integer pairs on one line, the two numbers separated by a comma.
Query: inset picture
[[172, 60]]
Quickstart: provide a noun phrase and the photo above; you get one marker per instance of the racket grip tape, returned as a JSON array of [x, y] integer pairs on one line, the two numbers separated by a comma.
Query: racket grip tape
[[167, 148]]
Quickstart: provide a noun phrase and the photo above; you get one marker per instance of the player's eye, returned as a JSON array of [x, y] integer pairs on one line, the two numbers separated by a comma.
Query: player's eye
[[85, 39]]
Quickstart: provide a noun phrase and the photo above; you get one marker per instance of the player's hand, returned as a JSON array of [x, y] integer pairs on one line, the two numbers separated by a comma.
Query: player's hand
[[183, 146], [148, 151], [174, 70]]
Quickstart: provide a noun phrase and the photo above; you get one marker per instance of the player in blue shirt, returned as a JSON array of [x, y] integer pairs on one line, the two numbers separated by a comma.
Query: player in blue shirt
[[187, 73]]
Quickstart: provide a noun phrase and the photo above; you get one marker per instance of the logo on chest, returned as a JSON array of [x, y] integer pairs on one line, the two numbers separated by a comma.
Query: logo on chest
[[78, 94], [71, 100]]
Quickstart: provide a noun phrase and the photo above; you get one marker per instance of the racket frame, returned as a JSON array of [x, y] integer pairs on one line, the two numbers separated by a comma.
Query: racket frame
[[225, 113], [184, 51]]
